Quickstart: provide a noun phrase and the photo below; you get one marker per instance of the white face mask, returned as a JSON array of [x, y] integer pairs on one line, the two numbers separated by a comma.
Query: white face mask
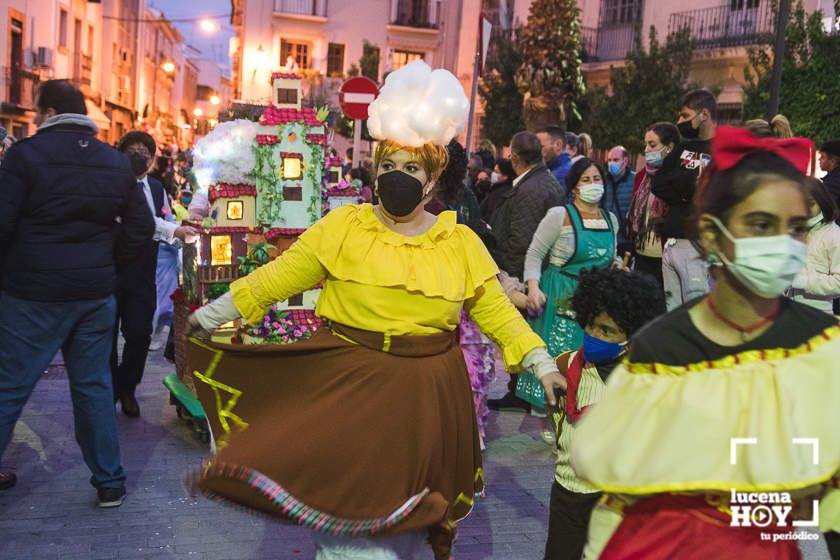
[[766, 266], [813, 221], [494, 178], [591, 193]]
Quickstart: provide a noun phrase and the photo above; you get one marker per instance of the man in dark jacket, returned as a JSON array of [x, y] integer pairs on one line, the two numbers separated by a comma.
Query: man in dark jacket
[[69, 207], [136, 289], [830, 163], [684, 272], [554, 153], [534, 191], [619, 192]]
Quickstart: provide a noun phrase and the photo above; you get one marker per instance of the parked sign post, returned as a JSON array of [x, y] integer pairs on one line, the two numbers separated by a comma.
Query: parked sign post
[[354, 96]]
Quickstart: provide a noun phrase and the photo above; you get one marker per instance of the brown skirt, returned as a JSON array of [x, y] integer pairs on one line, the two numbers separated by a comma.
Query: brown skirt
[[376, 437]]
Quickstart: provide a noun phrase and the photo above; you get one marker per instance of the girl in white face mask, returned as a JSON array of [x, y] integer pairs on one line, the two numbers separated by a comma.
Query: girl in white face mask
[[578, 236], [818, 283], [741, 362]]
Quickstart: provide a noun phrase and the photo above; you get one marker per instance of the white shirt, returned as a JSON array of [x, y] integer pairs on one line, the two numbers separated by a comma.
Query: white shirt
[[519, 178], [164, 229]]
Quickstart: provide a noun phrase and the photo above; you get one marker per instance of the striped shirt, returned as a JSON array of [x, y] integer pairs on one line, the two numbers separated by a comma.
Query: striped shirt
[[590, 391]]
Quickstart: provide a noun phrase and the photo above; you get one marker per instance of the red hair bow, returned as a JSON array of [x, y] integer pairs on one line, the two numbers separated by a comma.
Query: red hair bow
[[731, 145]]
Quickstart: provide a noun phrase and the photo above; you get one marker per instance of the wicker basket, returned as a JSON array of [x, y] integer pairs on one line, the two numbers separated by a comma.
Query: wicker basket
[[181, 329]]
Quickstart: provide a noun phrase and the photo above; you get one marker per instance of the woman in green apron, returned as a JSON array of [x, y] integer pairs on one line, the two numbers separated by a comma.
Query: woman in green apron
[[575, 237]]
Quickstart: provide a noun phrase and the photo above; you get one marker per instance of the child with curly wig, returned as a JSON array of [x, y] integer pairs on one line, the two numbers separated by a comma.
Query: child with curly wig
[[610, 305]]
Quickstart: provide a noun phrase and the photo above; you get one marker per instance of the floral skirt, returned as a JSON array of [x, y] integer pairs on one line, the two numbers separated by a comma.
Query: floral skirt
[[348, 432], [480, 358]]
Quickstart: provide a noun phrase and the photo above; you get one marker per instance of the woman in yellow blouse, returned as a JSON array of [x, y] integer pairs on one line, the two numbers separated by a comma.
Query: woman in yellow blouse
[[366, 429]]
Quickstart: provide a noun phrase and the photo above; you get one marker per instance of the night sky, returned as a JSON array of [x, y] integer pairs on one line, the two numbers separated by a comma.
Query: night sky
[[212, 46]]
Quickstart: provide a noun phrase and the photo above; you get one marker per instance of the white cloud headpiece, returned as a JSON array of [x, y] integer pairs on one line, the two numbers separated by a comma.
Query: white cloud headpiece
[[419, 106]]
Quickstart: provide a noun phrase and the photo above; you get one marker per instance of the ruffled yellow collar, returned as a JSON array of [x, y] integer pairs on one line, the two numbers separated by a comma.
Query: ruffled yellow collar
[[442, 229]]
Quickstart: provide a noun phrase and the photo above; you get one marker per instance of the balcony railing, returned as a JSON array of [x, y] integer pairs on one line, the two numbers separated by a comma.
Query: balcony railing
[[723, 26], [608, 42], [301, 7], [21, 85], [83, 68]]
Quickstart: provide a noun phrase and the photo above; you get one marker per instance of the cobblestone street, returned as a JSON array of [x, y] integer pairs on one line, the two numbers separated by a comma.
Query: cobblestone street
[[51, 512]]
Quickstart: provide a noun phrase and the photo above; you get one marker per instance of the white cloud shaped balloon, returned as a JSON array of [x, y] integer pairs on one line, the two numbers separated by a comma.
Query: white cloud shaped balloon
[[226, 155], [418, 105]]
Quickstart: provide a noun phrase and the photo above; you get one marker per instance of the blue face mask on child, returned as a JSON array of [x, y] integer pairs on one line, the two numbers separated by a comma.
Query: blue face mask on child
[[597, 351]]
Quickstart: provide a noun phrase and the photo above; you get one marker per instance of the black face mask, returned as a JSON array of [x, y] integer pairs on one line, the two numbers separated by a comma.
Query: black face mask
[[483, 186], [687, 131], [399, 193], [139, 164]]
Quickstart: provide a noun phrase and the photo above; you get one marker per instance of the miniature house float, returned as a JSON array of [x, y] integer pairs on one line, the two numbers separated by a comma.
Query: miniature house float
[[258, 214]]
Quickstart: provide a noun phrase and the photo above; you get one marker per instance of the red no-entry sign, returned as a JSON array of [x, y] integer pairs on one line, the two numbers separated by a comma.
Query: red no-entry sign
[[355, 95]]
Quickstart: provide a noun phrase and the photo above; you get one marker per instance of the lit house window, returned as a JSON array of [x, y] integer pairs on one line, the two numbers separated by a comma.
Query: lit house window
[[234, 210], [292, 167], [298, 51], [221, 250], [401, 58]]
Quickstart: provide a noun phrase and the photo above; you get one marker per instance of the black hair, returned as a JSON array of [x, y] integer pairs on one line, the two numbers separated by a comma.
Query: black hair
[[578, 169], [832, 148], [506, 168], [527, 147], [451, 181], [362, 174], [631, 299], [137, 137], [62, 96], [571, 140], [555, 132], [719, 192], [700, 99], [348, 153], [667, 132], [823, 198]]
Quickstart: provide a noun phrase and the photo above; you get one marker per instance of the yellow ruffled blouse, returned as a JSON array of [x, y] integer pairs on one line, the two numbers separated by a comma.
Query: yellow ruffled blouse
[[379, 280]]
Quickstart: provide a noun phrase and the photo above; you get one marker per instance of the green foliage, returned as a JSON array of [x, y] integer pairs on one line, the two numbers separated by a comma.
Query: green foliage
[[256, 257], [646, 90], [549, 77], [369, 63], [502, 99], [218, 289], [353, 71], [810, 79]]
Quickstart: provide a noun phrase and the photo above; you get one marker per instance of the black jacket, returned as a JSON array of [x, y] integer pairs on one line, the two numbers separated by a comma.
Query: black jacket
[[676, 182], [494, 199], [832, 183], [61, 192], [516, 220]]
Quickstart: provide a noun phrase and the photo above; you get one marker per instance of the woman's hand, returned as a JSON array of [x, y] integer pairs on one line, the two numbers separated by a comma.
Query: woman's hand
[[194, 328], [536, 299], [550, 383]]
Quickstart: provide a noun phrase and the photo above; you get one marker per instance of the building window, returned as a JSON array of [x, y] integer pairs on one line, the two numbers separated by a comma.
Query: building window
[[287, 95], [334, 175], [298, 51], [90, 41], [335, 60], [736, 5], [292, 168], [234, 210], [62, 29], [221, 250], [617, 12], [296, 300], [293, 194], [401, 58]]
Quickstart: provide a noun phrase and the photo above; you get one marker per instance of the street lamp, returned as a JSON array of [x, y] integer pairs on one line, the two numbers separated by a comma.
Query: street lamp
[[168, 66], [198, 112], [214, 99], [209, 26]]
